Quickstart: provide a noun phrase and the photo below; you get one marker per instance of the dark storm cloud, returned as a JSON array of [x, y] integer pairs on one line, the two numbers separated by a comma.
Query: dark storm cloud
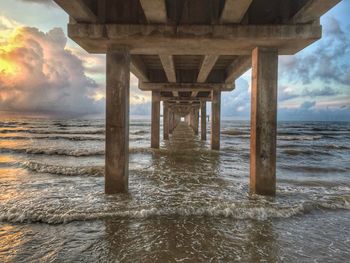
[[325, 91], [237, 102], [328, 63], [307, 105]]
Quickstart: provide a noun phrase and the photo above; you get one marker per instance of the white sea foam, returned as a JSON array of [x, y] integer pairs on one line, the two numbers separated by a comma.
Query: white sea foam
[[66, 152], [17, 214], [64, 170]]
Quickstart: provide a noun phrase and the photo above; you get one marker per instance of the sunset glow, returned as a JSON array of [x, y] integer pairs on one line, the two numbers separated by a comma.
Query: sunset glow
[[9, 42]]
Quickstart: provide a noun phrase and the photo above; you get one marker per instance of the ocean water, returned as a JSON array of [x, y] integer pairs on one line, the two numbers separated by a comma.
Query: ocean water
[[186, 203]]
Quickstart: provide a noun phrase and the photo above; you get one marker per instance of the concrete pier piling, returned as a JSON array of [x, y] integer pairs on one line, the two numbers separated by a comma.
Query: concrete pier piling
[[166, 121], [204, 120], [117, 120], [155, 121], [263, 121], [215, 120], [189, 60]]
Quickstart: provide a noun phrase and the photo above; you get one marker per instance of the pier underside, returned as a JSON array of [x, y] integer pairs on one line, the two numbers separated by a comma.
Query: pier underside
[[187, 52]]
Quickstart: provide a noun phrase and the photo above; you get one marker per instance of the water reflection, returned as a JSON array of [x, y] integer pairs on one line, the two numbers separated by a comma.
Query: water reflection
[[188, 176]]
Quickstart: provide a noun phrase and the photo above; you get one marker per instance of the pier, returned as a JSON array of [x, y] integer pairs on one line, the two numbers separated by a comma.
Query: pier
[[187, 52]]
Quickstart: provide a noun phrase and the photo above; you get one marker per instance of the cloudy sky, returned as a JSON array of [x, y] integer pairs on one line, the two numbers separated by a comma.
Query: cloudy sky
[[41, 71]]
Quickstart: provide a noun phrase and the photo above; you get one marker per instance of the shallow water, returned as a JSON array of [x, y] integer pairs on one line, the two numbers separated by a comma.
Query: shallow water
[[186, 203]]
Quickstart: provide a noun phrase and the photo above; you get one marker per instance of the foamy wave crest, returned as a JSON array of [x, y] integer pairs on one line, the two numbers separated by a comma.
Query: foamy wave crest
[[300, 138], [76, 152], [69, 138], [65, 152], [305, 152], [17, 214], [235, 132], [139, 132], [100, 131], [64, 170]]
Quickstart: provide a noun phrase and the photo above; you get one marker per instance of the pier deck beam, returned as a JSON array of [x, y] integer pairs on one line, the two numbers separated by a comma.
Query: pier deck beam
[[204, 120], [117, 120], [215, 120], [155, 119], [263, 121], [165, 121]]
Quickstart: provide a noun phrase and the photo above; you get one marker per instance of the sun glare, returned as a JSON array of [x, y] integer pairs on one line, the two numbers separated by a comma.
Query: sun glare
[[7, 67]]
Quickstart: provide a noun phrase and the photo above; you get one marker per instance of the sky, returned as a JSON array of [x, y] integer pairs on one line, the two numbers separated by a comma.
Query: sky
[[44, 72]]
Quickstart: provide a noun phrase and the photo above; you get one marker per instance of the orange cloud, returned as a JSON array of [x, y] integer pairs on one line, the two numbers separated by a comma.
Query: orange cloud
[[38, 73]]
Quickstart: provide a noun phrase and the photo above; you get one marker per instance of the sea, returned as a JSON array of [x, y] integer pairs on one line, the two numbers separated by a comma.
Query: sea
[[186, 203]]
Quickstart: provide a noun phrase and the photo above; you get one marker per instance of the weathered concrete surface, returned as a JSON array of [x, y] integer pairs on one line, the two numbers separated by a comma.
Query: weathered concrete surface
[[206, 67], [313, 10], [155, 11], [171, 120], [117, 120], [263, 121], [79, 10], [169, 68], [155, 119], [196, 121], [165, 121], [204, 120], [183, 40], [171, 87], [237, 68], [234, 10], [215, 120]]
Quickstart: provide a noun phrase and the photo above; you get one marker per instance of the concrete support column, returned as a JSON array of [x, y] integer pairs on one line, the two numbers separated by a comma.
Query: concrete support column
[[165, 121], [171, 121], [117, 120], [263, 121], [215, 119], [204, 120], [176, 119], [196, 121], [190, 118], [155, 119]]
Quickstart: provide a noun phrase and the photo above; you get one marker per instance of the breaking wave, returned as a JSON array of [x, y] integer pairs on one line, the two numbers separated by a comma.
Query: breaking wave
[[101, 131], [69, 138], [64, 170], [65, 152], [300, 137], [234, 132], [314, 169], [76, 152], [305, 152], [19, 214]]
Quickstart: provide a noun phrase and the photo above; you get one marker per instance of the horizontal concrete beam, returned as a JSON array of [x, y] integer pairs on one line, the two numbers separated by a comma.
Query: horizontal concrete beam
[[155, 11], [239, 66], [138, 68], [194, 94], [188, 99], [184, 39], [79, 10], [234, 11], [313, 10], [171, 87], [168, 66], [206, 67]]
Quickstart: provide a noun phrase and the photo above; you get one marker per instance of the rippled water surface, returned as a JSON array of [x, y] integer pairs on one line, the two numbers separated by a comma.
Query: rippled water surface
[[186, 203]]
